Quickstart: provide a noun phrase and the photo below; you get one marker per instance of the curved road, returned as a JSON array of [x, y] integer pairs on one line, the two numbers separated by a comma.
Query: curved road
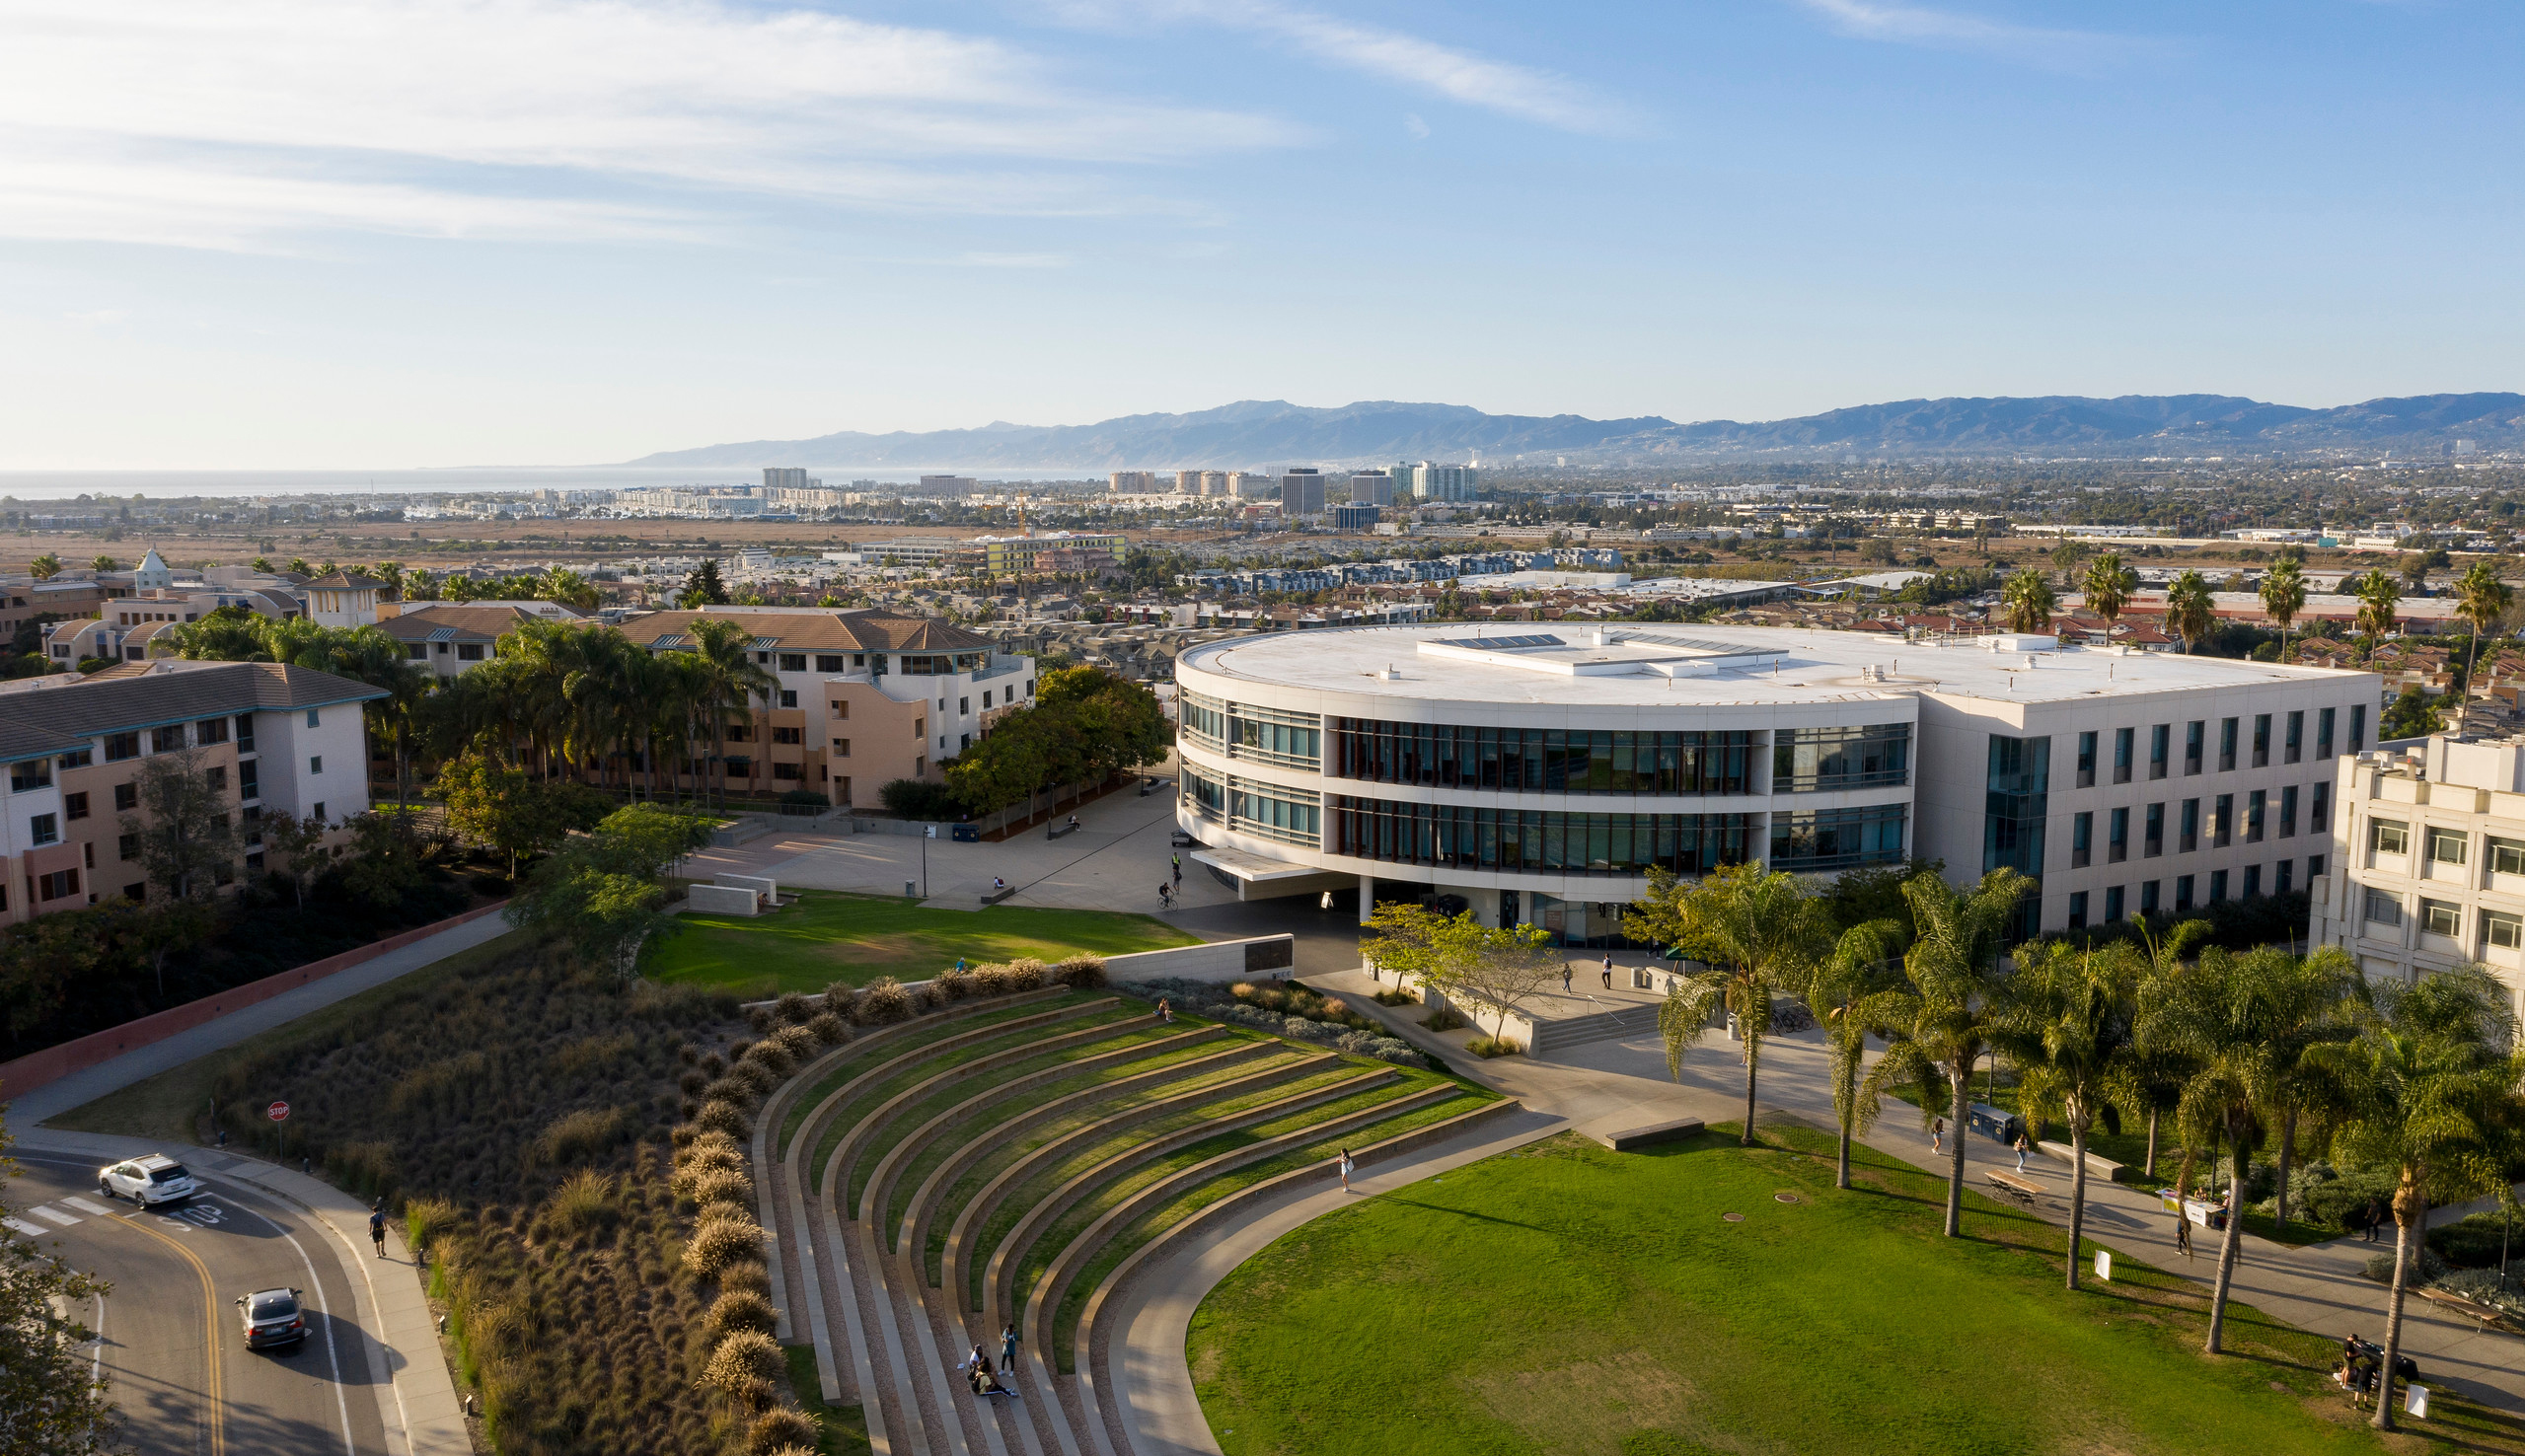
[[173, 1346]]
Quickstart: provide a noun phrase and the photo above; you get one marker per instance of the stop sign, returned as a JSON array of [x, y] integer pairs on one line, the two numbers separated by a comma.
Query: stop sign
[[277, 1111]]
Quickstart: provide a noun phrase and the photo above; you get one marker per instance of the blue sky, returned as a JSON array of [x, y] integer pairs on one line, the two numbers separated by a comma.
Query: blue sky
[[331, 233]]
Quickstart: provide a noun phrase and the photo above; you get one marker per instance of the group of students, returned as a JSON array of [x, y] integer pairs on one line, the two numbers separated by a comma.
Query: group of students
[[2361, 1368], [978, 1371]]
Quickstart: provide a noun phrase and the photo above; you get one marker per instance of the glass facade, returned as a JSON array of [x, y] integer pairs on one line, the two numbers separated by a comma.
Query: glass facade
[[2019, 794], [1811, 759], [1542, 760], [1265, 735], [1837, 839], [1537, 842], [1265, 810]]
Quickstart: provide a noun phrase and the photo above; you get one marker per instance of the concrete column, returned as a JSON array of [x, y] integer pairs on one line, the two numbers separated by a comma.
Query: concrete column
[[1367, 898]]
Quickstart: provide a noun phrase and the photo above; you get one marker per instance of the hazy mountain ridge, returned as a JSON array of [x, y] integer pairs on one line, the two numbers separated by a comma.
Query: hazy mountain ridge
[[1254, 433]]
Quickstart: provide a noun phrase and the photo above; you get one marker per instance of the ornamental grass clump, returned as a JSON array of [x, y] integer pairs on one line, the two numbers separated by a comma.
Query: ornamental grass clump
[[1027, 974], [793, 1009], [882, 1002], [955, 985], [743, 1360], [714, 1186], [829, 1030], [781, 1429], [773, 1058], [582, 1135], [800, 1042], [737, 1309], [583, 1203], [721, 1240], [1080, 973], [723, 1117], [747, 1277]]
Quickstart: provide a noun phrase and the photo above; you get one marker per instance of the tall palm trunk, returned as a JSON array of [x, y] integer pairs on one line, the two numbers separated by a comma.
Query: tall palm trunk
[[1959, 1080], [2410, 1211], [2287, 1145], [2078, 1121], [2151, 1169], [2230, 1246]]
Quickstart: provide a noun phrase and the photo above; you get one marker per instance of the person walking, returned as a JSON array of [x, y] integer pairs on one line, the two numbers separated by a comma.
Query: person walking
[[1346, 1166], [1179, 869], [1608, 973], [2022, 1148], [1565, 974], [1937, 1135], [1008, 1347], [377, 1226], [2371, 1216], [2182, 1232]]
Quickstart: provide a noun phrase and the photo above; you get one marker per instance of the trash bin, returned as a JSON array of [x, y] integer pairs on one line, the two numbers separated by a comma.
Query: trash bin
[[965, 833], [1997, 1123]]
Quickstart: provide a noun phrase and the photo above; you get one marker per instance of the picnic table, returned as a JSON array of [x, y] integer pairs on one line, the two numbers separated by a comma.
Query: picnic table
[[2491, 1316], [2016, 1185]]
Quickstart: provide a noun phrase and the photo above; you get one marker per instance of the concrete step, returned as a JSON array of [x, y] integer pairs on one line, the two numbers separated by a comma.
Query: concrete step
[[1603, 1026]]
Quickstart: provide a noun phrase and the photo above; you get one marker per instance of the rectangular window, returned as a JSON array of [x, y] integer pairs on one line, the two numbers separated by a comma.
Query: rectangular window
[[419, 651], [2507, 856], [793, 662], [841, 748], [2226, 745], [2314, 868], [2440, 917], [2183, 893], [2257, 804], [315, 718], [210, 731], [920, 727], [2117, 838], [32, 774], [2388, 837], [244, 732], [75, 759], [250, 785], [2288, 812], [2262, 740], [2383, 908], [128, 847], [832, 662], [2188, 838], [841, 709], [127, 797], [316, 763], [2192, 733], [2121, 743], [2283, 877], [2217, 886], [2086, 761], [2323, 731], [2152, 837], [2319, 814], [788, 697], [789, 735], [320, 809], [74, 806], [1837, 839], [2077, 910], [2222, 821], [2357, 727], [2018, 796], [60, 885], [122, 746], [216, 778], [2112, 906], [469, 652], [44, 829], [2501, 929], [986, 699], [2253, 881], [786, 770], [2160, 742], [167, 740], [2295, 741], [2447, 846], [964, 707], [2148, 896], [2082, 834]]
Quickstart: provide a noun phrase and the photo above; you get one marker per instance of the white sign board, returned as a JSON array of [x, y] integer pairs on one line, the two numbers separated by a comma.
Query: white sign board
[[2103, 1264]]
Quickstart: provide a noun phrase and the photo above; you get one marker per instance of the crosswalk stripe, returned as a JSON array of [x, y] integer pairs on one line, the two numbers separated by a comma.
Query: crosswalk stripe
[[56, 1214], [32, 1230], [89, 1206]]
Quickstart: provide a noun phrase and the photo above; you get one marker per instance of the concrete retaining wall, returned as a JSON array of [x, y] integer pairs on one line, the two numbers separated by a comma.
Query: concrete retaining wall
[[37, 1068], [769, 889], [1219, 961], [720, 900]]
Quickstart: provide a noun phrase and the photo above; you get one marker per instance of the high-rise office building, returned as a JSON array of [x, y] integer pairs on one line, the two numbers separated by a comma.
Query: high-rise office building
[[1302, 491], [785, 477], [1372, 487], [1438, 482], [948, 486], [1214, 483], [1187, 483], [1133, 483], [1247, 486]]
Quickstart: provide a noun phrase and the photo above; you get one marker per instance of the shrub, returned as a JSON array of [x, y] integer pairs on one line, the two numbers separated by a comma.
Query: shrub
[[883, 1000], [710, 1150], [692, 1081], [1489, 1047], [954, 985], [363, 1167], [2487, 1286], [2339, 1202], [757, 1073], [829, 1029], [774, 1056], [800, 1042], [751, 1278], [712, 1063], [1444, 1019], [1395, 997], [990, 980], [2427, 1268], [720, 1185], [914, 798], [779, 1429], [807, 798], [582, 1135], [842, 999], [583, 1202], [742, 1359], [720, 1241], [1080, 973], [733, 1089], [723, 1117], [1026, 974], [2471, 1243], [736, 1310], [424, 1219]]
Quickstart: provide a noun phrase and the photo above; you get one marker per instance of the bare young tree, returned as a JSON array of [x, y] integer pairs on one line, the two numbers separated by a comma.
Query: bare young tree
[[186, 826], [300, 845], [1502, 968]]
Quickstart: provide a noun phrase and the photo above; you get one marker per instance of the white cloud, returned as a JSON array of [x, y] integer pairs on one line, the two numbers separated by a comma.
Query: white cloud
[[1458, 75], [1917, 24], [1413, 125], [166, 121]]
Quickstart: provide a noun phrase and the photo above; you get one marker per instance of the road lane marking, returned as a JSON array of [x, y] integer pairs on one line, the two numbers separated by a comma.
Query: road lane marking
[[215, 1382], [332, 1351], [89, 1206], [97, 1361], [31, 1230], [56, 1215]]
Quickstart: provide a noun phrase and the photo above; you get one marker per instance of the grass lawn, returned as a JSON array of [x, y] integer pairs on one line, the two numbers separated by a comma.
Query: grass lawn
[[1567, 1299], [841, 1430], [827, 937]]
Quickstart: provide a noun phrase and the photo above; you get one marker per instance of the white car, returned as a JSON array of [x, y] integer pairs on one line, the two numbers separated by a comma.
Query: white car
[[155, 1179]]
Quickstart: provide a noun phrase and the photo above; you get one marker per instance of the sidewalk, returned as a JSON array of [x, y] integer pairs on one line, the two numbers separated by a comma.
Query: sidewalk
[[2319, 1287]]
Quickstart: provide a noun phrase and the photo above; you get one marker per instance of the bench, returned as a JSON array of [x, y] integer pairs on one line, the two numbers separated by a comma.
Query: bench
[[2490, 1317], [1055, 831], [2016, 1185], [1627, 1139]]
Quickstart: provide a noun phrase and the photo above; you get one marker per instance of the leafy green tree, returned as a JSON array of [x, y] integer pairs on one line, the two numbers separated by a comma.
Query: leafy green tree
[[2028, 602], [1759, 934], [2191, 610], [2065, 557], [183, 824], [2414, 715], [2435, 1079], [299, 844], [55, 1406], [503, 808], [2283, 596], [2109, 586], [702, 588]]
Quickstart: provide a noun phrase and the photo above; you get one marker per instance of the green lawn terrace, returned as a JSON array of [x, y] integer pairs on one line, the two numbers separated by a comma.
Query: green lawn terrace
[[1007, 1161], [1563, 1299], [825, 936]]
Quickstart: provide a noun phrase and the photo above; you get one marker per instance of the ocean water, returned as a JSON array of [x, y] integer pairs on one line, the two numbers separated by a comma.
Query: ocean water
[[56, 485]]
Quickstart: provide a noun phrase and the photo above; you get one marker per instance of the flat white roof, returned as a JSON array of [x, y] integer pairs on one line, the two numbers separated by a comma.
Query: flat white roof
[[1561, 663]]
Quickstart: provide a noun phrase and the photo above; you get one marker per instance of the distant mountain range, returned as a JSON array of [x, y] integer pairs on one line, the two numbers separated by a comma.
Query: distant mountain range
[[1258, 433]]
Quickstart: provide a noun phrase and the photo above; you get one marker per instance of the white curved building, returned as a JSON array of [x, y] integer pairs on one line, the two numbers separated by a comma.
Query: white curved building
[[1540, 771]]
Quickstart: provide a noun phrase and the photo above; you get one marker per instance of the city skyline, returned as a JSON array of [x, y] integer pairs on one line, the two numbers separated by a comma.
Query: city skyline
[[419, 234]]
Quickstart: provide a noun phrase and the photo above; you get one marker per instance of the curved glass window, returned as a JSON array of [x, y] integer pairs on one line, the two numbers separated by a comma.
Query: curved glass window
[[1816, 760], [1542, 760], [1532, 841], [1265, 810], [1837, 839], [1245, 731]]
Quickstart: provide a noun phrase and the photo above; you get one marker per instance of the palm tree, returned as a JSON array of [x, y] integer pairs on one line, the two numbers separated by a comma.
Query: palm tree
[[103, 563], [2481, 599], [2437, 1100], [2378, 599], [45, 568], [2108, 587], [2191, 612], [2158, 1069], [2327, 1000], [730, 679], [1759, 933], [2283, 596], [2069, 1020], [1938, 1023], [1864, 962], [2029, 600]]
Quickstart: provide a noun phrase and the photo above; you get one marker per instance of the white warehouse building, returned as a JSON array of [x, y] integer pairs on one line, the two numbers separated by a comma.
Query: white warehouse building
[[1539, 772]]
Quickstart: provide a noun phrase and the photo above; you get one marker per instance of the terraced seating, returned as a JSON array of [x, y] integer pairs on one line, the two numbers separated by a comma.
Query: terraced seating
[[1012, 1161]]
